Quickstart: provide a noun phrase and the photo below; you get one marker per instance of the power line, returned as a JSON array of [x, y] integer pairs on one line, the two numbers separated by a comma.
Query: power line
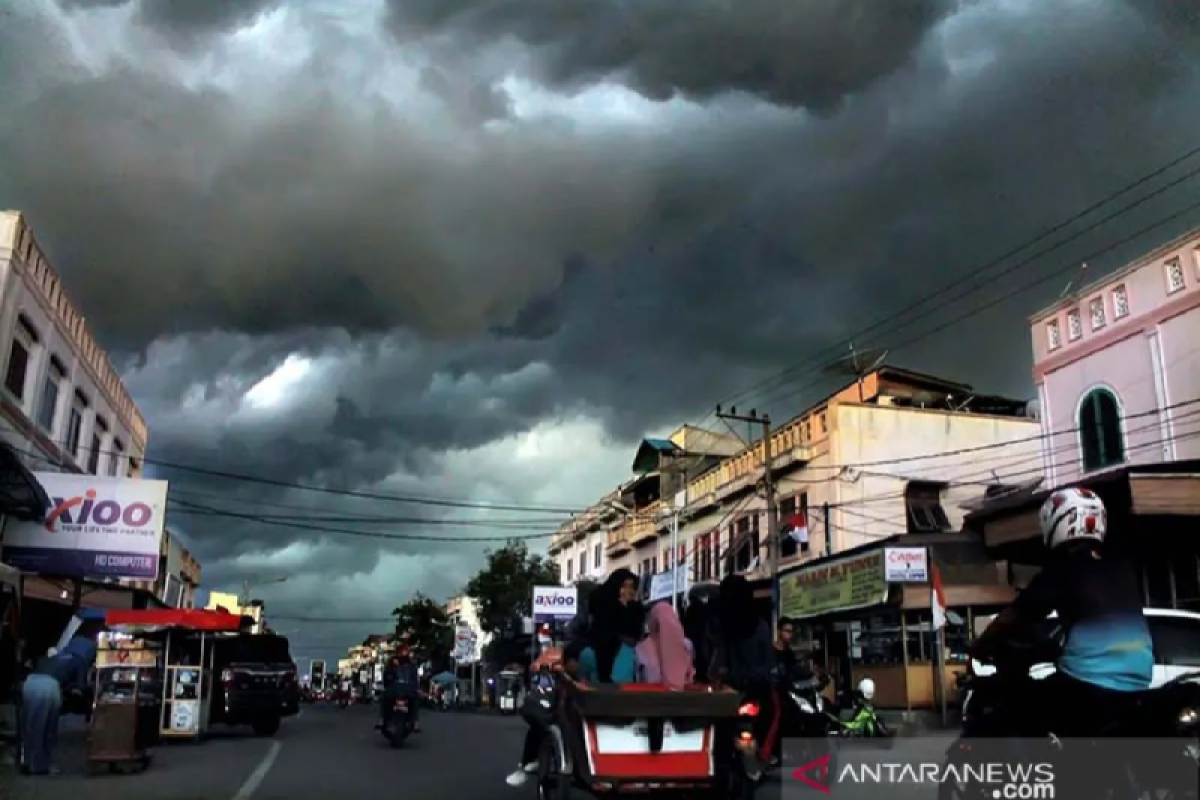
[[955, 320], [973, 274]]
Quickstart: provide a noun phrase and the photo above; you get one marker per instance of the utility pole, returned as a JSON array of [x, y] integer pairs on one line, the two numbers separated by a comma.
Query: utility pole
[[764, 420]]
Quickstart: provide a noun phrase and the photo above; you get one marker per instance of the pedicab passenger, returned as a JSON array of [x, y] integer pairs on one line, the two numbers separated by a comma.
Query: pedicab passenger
[[665, 655], [617, 623]]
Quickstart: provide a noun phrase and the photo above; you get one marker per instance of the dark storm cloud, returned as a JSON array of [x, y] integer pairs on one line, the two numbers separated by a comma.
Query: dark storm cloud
[[186, 19], [535, 268], [809, 53]]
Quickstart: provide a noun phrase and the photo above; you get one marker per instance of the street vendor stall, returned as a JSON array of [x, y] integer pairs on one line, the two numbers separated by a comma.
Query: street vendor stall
[[153, 681], [185, 637]]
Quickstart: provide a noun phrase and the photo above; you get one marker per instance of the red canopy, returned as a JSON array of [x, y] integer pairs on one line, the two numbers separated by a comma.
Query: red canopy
[[193, 619]]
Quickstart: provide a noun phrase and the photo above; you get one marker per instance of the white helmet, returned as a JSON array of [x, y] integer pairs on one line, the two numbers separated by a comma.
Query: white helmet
[[1072, 514], [866, 687]]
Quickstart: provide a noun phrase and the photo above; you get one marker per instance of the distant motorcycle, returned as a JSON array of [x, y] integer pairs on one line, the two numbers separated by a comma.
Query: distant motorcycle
[[397, 723]]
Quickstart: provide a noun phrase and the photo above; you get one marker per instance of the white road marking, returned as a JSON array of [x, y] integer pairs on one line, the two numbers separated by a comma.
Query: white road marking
[[260, 772]]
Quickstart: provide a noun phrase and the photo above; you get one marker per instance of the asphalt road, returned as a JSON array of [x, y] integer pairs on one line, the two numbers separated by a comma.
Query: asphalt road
[[322, 753]]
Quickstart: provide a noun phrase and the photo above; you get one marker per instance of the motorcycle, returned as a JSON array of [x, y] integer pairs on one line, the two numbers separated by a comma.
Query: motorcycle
[[1171, 711], [807, 719], [864, 721], [397, 723]]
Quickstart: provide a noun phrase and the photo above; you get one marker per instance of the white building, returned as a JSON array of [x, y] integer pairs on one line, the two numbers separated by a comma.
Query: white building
[[63, 406], [462, 610]]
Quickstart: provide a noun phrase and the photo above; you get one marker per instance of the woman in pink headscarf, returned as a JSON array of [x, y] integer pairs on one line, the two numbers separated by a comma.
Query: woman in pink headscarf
[[665, 655]]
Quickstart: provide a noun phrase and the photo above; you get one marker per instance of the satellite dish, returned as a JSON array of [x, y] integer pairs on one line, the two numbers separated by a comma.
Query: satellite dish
[[859, 364]]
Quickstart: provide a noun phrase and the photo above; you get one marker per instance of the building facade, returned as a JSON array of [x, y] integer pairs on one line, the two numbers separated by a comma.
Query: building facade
[[462, 610], [179, 578], [63, 406], [1117, 367]]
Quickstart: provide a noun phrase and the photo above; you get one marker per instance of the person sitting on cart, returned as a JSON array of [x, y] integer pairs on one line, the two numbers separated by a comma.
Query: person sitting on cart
[[665, 655], [53, 678], [402, 679], [617, 624]]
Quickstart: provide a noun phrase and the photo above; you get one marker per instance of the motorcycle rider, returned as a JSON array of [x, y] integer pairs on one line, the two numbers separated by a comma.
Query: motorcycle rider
[[401, 679], [1107, 654]]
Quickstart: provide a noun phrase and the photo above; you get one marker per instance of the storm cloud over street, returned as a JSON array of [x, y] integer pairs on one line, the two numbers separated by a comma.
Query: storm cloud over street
[[472, 250]]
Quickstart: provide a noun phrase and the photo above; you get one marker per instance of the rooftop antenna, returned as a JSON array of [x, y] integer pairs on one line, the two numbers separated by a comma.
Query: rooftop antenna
[[859, 363], [1075, 282]]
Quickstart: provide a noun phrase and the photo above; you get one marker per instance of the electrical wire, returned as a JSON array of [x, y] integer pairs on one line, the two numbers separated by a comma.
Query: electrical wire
[[788, 374]]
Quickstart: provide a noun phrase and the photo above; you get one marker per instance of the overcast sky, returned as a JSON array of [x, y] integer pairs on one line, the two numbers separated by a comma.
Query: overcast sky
[[474, 249]]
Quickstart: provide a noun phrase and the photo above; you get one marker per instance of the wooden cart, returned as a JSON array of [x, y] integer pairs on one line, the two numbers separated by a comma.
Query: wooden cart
[[124, 714]]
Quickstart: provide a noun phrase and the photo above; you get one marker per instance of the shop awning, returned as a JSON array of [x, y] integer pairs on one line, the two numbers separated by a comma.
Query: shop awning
[[162, 618], [21, 495], [1165, 495]]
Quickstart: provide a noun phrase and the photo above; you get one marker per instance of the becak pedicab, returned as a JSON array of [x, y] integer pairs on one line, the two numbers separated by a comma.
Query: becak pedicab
[[637, 738]]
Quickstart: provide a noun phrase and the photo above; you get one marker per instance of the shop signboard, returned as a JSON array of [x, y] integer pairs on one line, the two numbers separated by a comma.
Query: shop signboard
[[906, 564], [841, 585], [95, 527], [664, 585], [554, 603]]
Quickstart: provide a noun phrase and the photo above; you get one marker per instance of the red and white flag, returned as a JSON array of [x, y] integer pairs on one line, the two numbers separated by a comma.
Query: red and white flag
[[937, 597], [796, 526]]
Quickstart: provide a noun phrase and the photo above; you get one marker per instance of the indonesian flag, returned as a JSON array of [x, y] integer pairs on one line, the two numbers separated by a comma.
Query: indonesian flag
[[937, 598], [796, 526]]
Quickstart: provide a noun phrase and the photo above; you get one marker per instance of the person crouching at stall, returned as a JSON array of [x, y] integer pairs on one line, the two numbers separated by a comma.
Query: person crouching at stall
[[53, 678], [665, 655]]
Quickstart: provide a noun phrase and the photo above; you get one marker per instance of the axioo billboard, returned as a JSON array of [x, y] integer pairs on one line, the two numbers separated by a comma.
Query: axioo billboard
[[95, 527], [554, 603]]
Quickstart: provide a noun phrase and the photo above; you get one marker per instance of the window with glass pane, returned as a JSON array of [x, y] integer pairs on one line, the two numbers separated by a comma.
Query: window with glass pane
[[1101, 437], [1187, 581], [875, 640], [597, 556], [74, 430], [114, 460], [1074, 325], [48, 404], [1176, 641], [788, 546], [93, 464], [18, 367]]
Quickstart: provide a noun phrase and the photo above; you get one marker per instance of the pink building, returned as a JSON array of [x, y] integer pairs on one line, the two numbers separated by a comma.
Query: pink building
[[1117, 367]]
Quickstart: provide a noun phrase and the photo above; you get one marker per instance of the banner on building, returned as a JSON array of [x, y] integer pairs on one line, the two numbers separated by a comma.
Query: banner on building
[[667, 584], [554, 603], [95, 527], [906, 564], [841, 585]]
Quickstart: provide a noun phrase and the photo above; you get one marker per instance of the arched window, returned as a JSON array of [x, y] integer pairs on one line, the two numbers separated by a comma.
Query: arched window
[[1100, 435]]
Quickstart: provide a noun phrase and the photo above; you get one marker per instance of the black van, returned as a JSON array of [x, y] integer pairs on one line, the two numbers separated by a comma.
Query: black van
[[256, 682]]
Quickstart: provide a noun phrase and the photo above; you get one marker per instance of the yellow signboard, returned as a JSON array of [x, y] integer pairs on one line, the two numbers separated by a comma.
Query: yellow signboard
[[842, 585]]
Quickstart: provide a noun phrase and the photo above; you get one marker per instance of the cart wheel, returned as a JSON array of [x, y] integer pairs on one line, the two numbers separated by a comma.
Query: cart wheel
[[552, 784]]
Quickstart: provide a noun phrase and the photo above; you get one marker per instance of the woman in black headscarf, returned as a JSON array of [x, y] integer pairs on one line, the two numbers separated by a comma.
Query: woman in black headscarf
[[617, 623], [743, 658]]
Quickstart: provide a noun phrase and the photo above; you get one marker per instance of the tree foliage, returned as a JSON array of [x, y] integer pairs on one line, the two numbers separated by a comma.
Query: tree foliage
[[503, 589], [424, 624]]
